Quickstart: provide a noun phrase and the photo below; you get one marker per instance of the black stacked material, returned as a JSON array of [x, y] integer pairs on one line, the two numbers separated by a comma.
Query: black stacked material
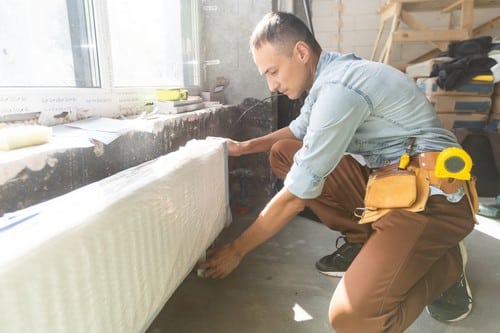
[[470, 58]]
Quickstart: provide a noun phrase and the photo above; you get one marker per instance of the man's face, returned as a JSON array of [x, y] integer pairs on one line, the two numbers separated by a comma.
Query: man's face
[[287, 75]]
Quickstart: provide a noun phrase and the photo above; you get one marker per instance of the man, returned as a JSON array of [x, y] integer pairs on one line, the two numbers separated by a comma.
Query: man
[[402, 261]]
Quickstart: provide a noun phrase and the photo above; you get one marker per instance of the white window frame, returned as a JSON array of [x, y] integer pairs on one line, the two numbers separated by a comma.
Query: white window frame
[[51, 106]]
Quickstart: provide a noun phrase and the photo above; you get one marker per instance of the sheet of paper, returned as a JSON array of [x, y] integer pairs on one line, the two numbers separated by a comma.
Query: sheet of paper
[[107, 130]]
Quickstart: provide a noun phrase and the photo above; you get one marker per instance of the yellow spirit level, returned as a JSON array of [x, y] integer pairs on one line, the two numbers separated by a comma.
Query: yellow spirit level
[[173, 94], [453, 162]]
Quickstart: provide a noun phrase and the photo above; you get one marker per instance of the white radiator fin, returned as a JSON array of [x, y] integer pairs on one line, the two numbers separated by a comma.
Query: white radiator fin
[[106, 257]]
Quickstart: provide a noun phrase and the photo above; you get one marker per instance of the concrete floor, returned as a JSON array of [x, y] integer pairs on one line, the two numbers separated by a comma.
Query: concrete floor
[[276, 288]]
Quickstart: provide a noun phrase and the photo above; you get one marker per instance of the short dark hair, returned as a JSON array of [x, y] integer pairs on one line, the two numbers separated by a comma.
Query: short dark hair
[[283, 30]]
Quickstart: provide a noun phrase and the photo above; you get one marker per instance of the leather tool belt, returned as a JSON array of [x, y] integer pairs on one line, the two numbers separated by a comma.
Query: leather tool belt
[[392, 188]]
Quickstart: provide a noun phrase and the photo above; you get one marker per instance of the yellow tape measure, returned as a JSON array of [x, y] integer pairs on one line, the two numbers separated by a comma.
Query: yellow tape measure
[[453, 162]]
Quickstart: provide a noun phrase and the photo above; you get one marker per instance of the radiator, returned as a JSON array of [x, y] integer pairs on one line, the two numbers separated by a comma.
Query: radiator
[[106, 257]]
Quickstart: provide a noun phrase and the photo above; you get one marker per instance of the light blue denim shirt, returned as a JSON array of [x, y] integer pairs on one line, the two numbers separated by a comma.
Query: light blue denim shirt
[[359, 107]]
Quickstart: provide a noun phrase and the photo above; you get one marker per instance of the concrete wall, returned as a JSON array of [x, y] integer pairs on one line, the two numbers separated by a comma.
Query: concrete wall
[[42, 175], [226, 29]]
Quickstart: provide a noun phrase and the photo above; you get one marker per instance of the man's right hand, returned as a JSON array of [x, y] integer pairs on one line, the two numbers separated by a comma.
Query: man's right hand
[[257, 145], [233, 147], [220, 262]]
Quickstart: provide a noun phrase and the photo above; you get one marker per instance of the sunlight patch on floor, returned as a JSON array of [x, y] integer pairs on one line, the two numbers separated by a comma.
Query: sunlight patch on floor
[[300, 314], [488, 226]]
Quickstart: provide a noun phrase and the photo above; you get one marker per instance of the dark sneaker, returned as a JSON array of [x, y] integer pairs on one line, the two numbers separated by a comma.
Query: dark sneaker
[[339, 261], [455, 303], [309, 214]]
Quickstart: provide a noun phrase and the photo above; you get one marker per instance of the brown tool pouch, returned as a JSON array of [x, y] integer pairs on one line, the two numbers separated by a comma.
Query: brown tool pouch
[[391, 188]]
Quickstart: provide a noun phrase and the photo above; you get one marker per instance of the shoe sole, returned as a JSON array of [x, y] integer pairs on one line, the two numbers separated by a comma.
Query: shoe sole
[[463, 253], [332, 274]]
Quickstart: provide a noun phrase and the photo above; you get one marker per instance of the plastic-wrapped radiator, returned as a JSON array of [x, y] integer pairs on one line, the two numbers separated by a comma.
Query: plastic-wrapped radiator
[[106, 257]]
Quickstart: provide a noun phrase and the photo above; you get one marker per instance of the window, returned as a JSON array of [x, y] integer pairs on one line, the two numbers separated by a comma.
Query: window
[[47, 44], [63, 60], [155, 53]]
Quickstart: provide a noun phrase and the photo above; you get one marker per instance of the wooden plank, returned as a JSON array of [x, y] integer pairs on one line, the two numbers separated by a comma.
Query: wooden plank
[[426, 56], [394, 26], [382, 57], [389, 12], [412, 22], [437, 5], [478, 31], [383, 8], [487, 26], [429, 6], [452, 7], [467, 19], [409, 1], [430, 35], [377, 41]]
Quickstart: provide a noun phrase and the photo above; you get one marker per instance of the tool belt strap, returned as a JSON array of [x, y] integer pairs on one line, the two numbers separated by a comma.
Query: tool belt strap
[[427, 161], [423, 165]]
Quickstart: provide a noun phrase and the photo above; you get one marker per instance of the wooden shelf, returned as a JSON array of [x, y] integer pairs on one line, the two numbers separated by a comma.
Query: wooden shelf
[[397, 11]]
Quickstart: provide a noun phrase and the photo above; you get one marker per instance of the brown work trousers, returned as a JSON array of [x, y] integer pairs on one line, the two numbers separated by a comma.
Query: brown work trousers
[[407, 261]]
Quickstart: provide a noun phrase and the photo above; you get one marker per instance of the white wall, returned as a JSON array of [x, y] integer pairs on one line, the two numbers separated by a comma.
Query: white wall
[[352, 25]]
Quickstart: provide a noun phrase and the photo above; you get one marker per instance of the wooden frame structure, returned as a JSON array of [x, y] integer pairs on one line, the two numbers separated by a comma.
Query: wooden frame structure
[[398, 11]]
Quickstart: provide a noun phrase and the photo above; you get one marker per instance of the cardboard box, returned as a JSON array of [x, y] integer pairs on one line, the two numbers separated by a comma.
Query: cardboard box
[[460, 103], [463, 120], [424, 69], [495, 104], [474, 88]]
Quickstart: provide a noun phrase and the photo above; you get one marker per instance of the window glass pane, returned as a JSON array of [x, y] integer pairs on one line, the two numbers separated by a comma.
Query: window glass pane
[[40, 48], [146, 42], [190, 46]]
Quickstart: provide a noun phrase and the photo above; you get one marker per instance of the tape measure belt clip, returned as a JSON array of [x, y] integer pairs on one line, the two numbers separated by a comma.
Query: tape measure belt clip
[[453, 162]]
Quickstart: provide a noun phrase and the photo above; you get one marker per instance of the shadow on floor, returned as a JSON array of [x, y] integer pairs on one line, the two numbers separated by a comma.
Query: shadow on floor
[[276, 288]]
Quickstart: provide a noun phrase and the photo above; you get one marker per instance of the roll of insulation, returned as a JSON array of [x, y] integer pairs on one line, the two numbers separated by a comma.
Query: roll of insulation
[[23, 136]]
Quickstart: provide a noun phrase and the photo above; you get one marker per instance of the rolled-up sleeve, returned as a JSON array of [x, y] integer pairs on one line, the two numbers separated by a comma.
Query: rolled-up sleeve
[[333, 118], [298, 126]]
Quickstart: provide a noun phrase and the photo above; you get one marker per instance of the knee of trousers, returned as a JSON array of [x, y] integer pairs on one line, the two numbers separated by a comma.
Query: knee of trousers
[[351, 315], [352, 322], [281, 156]]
